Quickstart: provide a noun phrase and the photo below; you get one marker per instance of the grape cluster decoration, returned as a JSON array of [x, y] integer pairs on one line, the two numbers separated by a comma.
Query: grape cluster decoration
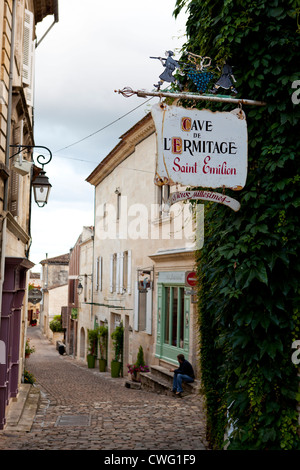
[[200, 79]]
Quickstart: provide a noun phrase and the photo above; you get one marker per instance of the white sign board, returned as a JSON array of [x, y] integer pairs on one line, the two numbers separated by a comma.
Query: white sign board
[[204, 196], [200, 147]]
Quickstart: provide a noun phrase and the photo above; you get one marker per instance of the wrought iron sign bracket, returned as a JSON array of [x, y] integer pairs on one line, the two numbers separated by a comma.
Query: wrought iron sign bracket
[[127, 92], [21, 148]]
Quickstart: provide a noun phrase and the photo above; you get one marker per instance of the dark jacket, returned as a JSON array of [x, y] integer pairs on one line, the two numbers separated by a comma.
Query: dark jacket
[[185, 368]]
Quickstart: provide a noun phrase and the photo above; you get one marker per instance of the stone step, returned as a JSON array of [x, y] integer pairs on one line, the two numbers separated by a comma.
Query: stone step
[[160, 380], [15, 408], [21, 413]]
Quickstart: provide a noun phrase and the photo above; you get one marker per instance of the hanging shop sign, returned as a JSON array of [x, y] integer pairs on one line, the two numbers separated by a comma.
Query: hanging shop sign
[[204, 196], [35, 296], [200, 147]]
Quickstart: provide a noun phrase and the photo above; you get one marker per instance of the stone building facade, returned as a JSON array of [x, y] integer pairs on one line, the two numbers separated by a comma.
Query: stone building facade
[[55, 274], [141, 254], [18, 20]]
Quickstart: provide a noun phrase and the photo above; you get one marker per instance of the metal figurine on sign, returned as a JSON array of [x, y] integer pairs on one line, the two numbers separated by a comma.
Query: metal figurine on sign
[[225, 81], [199, 70], [205, 76], [170, 65]]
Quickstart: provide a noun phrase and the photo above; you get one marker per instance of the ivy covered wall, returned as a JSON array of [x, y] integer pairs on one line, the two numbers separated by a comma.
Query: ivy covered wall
[[249, 265]]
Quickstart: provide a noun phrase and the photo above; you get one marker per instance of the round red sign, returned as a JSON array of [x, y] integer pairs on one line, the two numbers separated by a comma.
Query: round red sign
[[191, 279]]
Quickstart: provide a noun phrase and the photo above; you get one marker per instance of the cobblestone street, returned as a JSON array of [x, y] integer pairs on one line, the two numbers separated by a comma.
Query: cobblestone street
[[84, 409]]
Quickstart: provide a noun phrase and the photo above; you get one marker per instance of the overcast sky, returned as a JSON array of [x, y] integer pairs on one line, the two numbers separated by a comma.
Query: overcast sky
[[92, 51]]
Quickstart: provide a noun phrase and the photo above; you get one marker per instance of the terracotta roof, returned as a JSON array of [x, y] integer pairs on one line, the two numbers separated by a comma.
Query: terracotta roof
[[61, 259], [43, 8]]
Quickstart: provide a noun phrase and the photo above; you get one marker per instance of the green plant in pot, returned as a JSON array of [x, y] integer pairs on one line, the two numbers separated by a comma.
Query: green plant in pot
[[28, 349], [56, 324], [138, 367], [102, 339], [92, 352], [118, 338]]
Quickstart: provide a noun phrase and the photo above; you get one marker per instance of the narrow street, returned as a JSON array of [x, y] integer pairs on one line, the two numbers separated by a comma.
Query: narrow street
[[84, 409]]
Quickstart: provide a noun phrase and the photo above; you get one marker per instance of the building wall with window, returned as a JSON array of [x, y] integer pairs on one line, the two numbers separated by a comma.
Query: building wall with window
[[80, 318], [55, 274], [132, 229], [18, 19]]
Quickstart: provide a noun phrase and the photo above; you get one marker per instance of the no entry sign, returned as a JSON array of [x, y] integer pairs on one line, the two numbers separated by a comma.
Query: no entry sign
[[190, 279]]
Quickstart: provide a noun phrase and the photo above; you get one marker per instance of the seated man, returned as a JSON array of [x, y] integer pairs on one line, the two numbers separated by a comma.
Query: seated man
[[184, 373]]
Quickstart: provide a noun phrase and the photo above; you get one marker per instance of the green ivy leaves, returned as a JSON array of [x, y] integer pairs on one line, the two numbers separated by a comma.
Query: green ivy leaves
[[249, 266]]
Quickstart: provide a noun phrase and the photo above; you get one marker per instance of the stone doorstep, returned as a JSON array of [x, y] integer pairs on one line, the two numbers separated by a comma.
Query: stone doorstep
[[22, 411], [161, 379], [16, 406]]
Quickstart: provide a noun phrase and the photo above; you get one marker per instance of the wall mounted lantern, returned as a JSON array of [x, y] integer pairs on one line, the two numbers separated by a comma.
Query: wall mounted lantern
[[40, 184], [80, 287]]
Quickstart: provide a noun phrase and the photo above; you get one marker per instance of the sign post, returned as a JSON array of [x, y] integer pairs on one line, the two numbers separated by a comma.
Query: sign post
[[191, 281]]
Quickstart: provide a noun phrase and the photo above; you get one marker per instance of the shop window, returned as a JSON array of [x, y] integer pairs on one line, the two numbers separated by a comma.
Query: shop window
[[174, 316]]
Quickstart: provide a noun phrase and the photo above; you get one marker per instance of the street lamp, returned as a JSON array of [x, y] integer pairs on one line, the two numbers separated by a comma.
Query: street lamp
[[79, 288], [40, 184], [41, 189]]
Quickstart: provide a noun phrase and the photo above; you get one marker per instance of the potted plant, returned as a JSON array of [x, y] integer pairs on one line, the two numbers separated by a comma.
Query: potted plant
[[28, 349], [92, 352], [28, 377], [55, 325], [138, 367], [102, 339], [118, 338], [57, 329]]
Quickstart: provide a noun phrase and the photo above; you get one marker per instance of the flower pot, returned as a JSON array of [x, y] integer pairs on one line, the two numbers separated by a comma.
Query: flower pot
[[135, 377], [102, 365], [115, 368], [91, 361]]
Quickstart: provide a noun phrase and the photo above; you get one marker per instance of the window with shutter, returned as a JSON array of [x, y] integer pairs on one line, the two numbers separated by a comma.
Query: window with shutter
[[99, 273], [15, 177], [129, 272], [28, 56], [14, 193]]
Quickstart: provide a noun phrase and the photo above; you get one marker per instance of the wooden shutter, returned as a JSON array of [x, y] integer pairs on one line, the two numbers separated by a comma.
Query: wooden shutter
[[118, 274], [111, 276], [128, 287], [28, 56], [149, 312], [121, 275], [100, 272], [136, 307], [15, 177], [97, 274]]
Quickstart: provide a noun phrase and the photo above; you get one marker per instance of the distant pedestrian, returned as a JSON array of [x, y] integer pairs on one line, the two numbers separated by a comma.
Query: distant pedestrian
[[184, 373]]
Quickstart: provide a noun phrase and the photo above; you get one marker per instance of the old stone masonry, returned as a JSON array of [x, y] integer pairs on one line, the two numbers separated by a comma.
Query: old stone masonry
[[84, 409]]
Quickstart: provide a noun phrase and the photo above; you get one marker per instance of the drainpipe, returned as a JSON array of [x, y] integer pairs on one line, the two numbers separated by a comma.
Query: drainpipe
[[7, 150]]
